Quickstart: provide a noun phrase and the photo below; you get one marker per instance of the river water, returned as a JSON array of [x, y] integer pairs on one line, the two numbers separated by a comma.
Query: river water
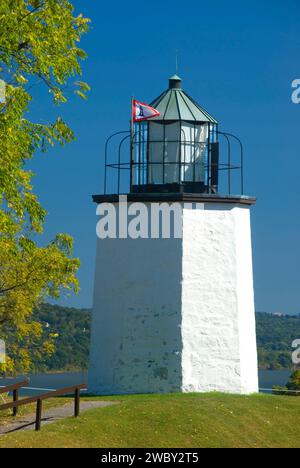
[[267, 379]]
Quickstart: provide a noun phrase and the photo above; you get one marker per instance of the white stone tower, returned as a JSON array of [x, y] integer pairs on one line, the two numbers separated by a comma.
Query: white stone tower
[[176, 313]]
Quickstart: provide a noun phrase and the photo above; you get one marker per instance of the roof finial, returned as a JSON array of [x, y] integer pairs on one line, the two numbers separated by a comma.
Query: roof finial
[[176, 61], [175, 82]]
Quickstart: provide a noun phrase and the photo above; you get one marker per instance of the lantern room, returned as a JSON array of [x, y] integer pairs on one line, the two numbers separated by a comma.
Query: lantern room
[[175, 151]]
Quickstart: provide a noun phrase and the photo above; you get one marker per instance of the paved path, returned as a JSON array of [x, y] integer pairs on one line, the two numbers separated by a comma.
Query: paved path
[[51, 415]]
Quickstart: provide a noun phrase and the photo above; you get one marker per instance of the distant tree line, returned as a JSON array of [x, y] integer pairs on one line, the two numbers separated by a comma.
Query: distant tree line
[[275, 335], [70, 329]]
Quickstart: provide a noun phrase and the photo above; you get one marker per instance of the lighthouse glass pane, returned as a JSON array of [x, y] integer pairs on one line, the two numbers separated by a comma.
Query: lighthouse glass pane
[[155, 151], [139, 156], [194, 140], [171, 153]]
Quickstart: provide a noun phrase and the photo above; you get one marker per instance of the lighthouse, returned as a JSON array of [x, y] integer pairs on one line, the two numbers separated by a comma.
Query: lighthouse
[[173, 308]]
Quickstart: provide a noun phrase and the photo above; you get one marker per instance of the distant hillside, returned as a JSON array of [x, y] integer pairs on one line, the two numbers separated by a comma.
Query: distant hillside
[[274, 338], [275, 335], [72, 344]]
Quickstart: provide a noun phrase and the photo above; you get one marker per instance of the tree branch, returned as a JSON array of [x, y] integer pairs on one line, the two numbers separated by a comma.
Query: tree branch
[[34, 10]]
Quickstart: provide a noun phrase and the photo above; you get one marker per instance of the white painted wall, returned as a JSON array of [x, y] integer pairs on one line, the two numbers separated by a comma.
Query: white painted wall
[[177, 314], [136, 339], [218, 320], [245, 294]]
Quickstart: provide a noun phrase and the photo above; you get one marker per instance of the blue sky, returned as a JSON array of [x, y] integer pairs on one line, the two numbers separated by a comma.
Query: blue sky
[[237, 59]]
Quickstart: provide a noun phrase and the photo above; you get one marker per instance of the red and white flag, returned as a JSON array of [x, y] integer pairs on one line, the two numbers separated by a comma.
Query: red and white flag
[[141, 111]]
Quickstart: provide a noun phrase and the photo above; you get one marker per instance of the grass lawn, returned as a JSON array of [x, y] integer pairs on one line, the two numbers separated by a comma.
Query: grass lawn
[[177, 420]]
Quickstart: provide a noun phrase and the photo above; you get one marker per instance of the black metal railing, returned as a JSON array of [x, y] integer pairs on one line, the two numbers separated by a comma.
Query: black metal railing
[[227, 169]]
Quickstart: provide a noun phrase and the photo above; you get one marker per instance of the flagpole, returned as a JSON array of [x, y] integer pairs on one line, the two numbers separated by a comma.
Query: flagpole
[[131, 127], [131, 140]]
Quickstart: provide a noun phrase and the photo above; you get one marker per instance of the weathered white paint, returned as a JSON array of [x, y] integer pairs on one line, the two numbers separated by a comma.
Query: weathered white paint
[[218, 320], [177, 314], [136, 338]]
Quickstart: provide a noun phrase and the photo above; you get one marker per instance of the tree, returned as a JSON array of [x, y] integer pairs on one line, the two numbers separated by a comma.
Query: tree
[[294, 382], [38, 44]]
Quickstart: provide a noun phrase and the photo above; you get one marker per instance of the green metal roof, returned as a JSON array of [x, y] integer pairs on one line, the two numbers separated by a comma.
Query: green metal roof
[[175, 104]]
